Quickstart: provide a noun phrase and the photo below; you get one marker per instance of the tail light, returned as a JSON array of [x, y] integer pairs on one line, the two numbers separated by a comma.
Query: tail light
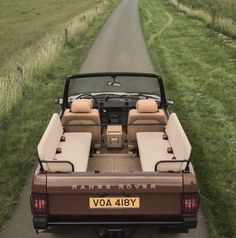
[[190, 203], [39, 203]]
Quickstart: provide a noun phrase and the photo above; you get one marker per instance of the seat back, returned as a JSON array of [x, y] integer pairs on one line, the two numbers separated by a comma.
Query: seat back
[[143, 119], [177, 138], [82, 118], [51, 138]]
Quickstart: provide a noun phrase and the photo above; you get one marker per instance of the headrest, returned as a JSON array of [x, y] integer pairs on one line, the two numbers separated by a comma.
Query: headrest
[[81, 105], [146, 105]]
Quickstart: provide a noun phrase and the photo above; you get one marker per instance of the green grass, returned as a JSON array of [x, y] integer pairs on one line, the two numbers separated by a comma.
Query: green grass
[[200, 76], [21, 130], [41, 49], [222, 8], [24, 22], [219, 15]]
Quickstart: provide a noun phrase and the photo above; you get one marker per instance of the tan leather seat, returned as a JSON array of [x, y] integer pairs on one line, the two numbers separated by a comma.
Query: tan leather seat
[[74, 148], [145, 115], [153, 148], [81, 113]]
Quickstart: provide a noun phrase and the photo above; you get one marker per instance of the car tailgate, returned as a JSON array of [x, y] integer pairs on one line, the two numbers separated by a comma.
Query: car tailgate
[[71, 194]]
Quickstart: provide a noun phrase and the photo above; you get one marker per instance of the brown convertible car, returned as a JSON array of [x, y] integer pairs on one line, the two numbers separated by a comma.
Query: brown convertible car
[[114, 157]]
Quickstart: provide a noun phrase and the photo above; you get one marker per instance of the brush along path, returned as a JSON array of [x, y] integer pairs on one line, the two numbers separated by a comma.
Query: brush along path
[[211, 15], [199, 72], [18, 70], [220, 8]]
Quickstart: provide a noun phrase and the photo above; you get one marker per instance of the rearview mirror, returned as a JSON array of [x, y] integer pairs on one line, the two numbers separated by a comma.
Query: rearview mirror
[[114, 83]]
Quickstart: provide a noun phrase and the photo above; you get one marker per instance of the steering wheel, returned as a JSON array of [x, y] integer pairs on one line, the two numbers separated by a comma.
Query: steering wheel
[[89, 96]]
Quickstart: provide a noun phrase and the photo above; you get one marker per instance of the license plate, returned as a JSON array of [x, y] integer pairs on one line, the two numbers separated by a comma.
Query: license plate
[[114, 202]]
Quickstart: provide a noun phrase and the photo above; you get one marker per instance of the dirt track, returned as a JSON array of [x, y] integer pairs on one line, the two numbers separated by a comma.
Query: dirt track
[[119, 47]]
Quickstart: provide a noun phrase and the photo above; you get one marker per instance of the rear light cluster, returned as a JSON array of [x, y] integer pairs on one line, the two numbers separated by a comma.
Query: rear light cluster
[[39, 203], [190, 203]]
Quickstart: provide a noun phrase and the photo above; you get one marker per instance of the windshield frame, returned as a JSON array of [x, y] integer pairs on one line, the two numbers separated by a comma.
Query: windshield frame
[[163, 103]]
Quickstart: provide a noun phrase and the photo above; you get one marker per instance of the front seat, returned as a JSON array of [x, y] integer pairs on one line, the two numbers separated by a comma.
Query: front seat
[[145, 117], [82, 118]]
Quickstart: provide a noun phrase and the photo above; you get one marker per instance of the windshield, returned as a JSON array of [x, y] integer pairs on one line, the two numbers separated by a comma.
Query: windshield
[[119, 84]]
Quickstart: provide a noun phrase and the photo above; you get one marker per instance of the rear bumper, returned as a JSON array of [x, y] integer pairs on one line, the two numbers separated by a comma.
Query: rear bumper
[[182, 223]]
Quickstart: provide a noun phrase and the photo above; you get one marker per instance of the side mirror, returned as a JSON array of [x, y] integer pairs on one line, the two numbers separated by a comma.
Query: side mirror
[[58, 101], [169, 103]]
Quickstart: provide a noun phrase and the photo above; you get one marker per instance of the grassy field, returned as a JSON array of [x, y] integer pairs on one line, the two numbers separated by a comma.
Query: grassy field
[[21, 130], [24, 22], [219, 15], [19, 67], [200, 76]]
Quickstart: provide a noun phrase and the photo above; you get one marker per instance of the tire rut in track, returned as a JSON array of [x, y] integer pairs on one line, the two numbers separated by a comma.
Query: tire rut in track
[[149, 15]]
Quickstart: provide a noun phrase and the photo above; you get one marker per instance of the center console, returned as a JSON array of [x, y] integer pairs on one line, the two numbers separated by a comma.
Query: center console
[[114, 136]]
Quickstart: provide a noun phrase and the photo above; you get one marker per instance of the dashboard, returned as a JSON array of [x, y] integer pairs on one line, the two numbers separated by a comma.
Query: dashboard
[[115, 110]]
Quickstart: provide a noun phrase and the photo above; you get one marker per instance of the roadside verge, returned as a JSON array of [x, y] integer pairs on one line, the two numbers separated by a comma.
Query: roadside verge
[[19, 69], [199, 74], [23, 127]]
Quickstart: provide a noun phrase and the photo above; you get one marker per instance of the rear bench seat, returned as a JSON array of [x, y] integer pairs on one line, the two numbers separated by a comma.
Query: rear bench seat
[[74, 149], [153, 147]]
